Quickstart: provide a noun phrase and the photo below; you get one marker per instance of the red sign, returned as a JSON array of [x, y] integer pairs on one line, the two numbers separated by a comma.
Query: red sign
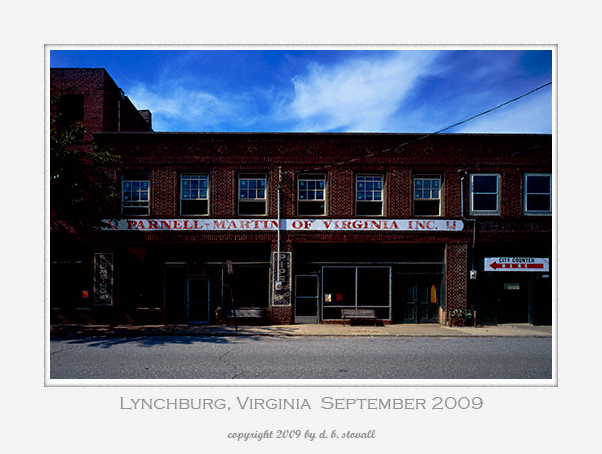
[[85, 294]]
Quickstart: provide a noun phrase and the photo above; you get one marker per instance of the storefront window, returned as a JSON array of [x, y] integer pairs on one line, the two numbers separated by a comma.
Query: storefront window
[[251, 286], [356, 287]]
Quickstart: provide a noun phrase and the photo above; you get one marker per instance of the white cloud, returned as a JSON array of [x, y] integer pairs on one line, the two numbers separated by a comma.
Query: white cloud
[[357, 95], [371, 92], [176, 108]]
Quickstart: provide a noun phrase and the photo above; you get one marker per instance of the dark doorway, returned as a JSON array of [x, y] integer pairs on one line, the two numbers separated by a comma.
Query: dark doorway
[[513, 301], [197, 301]]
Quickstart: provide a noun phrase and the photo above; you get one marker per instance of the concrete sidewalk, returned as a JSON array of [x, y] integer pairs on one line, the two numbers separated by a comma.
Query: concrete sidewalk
[[327, 330]]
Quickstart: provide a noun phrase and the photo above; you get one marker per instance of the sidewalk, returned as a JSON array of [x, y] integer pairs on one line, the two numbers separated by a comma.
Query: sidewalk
[[327, 330]]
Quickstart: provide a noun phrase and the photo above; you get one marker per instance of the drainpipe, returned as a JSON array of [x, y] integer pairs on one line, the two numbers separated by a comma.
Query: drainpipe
[[474, 221]]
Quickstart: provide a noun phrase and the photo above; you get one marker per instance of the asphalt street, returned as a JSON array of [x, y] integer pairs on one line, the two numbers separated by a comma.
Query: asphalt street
[[261, 357]]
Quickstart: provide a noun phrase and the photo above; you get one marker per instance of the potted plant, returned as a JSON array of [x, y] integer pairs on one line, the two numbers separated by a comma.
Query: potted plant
[[461, 317]]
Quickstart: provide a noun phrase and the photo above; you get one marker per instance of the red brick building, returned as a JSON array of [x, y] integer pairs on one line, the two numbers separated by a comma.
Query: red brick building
[[299, 226]]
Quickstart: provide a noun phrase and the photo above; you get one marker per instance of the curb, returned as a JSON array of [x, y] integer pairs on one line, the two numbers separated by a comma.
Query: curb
[[70, 331]]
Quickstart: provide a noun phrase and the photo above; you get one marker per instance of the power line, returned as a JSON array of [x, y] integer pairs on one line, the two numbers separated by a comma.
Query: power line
[[432, 133], [491, 110]]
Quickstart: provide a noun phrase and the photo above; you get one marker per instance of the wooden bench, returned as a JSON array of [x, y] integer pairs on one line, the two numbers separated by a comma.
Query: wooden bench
[[245, 313], [357, 314], [256, 315]]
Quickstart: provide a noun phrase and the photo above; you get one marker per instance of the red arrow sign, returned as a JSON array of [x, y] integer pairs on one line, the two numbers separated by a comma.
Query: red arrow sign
[[533, 264], [496, 265]]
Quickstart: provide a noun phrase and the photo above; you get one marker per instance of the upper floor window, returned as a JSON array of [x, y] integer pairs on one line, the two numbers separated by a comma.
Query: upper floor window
[[252, 195], [369, 195], [485, 193], [135, 194], [538, 193], [427, 195], [311, 195], [194, 194]]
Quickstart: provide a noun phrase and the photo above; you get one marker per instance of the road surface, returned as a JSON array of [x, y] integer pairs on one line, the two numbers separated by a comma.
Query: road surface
[[260, 357]]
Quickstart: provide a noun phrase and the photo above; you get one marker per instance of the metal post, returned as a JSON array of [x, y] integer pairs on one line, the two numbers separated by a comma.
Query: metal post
[[278, 240]]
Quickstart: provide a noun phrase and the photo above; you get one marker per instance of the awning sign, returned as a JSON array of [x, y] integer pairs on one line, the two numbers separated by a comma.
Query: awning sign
[[529, 264], [384, 225]]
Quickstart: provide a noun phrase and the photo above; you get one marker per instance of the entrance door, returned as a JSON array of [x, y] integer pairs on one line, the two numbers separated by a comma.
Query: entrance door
[[513, 303], [306, 299], [197, 300], [421, 301]]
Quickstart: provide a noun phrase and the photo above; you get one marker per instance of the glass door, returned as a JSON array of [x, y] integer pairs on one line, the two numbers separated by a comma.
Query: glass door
[[197, 300], [306, 299]]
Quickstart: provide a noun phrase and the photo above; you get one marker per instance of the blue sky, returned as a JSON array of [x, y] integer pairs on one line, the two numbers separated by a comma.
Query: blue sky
[[294, 90]]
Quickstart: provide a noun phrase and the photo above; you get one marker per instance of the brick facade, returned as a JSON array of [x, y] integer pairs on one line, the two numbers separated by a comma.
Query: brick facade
[[456, 276], [105, 108], [419, 261]]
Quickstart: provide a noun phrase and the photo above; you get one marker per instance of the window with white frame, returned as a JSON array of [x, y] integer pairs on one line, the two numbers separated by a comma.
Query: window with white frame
[[485, 193], [369, 195], [194, 194], [427, 195], [135, 194], [311, 195], [252, 190], [538, 193]]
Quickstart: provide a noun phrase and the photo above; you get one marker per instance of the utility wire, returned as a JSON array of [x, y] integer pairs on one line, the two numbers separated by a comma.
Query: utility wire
[[491, 110], [432, 133]]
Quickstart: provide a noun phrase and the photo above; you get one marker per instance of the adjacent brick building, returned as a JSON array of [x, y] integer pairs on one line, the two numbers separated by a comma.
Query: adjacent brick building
[[298, 226]]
